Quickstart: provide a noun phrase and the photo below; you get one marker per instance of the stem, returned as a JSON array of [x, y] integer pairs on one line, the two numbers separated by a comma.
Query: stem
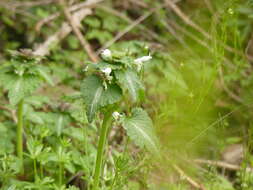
[[41, 171], [60, 173], [101, 149], [35, 168], [114, 180], [20, 133]]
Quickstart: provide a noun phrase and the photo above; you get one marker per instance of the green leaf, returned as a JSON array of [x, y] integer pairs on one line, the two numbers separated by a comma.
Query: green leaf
[[111, 95], [21, 86], [92, 89], [139, 128], [95, 96], [35, 117], [44, 73], [130, 81]]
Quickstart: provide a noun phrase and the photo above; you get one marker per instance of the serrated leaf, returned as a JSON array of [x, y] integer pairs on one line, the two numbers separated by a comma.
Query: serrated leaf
[[16, 93], [92, 89], [139, 128], [35, 117], [44, 73], [130, 81], [95, 96], [111, 95], [19, 86]]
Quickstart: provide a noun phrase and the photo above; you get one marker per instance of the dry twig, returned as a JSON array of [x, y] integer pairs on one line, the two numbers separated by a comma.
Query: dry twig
[[222, 164], [227, 90], [192, 182], [12, 112], [76, 7], [74, 26], [25, 4], [44, 48], [149, 34], [132, 25]]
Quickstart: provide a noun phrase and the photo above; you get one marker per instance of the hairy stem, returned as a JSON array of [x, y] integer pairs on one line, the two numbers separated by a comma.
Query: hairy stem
[[20, 132], [101, 149]]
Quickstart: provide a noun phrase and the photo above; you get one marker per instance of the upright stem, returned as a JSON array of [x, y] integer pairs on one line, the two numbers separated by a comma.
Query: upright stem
[[60, 173], [101, 149], [35, 168], [20, 132]]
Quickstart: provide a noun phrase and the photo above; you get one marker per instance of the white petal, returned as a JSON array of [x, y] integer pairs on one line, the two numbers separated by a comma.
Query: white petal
[[106, 53], [107, 70], [142, 59], [116, 115]]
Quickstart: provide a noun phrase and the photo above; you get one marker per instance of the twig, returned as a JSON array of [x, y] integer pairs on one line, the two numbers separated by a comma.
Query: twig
[[249, 44], [133, 25], [222, 164], [188, 179], [139, 3], [149, 34], [86, 4], [25, 4], [12, 112], [209, 6], [78, 33], [44, 48], [226, 89], [126, 30]]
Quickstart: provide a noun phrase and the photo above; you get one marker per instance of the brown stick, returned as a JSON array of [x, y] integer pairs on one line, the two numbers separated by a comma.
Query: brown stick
[[227, 90], [192, 182], [133, 25], [78, 33], [222, 164], [86, 4], [149, 34], [25, 4], [12, 112], [44, 48]]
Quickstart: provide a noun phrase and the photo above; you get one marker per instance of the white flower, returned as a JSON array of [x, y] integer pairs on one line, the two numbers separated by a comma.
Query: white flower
[[106, 53], [139, 61], [107, 71], [116, 115], [142, 59]]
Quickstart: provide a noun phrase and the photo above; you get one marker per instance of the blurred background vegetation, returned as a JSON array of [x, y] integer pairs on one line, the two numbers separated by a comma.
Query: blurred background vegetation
[[199, 90]]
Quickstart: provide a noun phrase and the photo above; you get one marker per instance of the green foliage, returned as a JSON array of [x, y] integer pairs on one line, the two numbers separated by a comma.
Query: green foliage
[[96, 97], [22, 76], [130, 81], [140, 129]]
